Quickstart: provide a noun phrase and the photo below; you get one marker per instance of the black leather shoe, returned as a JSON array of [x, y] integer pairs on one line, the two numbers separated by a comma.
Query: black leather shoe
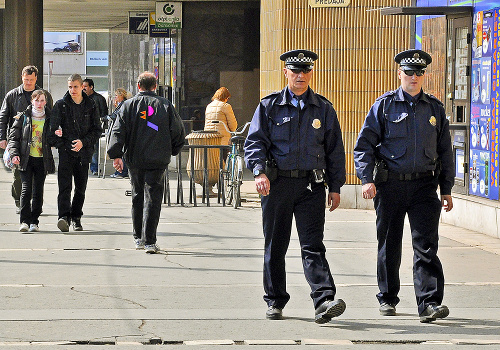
[[387, 309], [328, 310], [432, 312], [274, 313], [77, 224]]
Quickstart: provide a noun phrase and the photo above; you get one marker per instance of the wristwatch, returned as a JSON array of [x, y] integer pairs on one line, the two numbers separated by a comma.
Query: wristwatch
[[257, 172]]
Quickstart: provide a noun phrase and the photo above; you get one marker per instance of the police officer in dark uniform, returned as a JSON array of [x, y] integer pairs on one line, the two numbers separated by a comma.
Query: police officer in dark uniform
[[297, 134], [402, 154]]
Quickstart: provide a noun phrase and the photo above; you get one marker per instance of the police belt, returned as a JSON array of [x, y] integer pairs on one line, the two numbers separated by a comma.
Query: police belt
[[294, 173], [409, 177]]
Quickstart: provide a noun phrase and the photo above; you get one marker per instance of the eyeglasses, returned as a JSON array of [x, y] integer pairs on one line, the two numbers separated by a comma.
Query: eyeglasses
[[300, 70], [410, 72]]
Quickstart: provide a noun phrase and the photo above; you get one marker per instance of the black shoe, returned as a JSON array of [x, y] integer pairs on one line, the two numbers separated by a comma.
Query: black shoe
[[432, 312], [329, 309], [387, 309], [77, 224], [63, 224], [274, 313]]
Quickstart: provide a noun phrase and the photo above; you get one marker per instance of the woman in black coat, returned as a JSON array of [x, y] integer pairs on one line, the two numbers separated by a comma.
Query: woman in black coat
[[30, 151]]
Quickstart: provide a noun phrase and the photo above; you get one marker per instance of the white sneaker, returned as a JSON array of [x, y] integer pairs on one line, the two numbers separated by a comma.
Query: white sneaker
[[139, 244], [34, 228], [151, 248], [24, 227]]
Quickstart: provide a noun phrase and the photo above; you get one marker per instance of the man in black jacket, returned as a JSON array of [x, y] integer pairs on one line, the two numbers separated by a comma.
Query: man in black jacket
[[78, 118], [15, 101], [102, 106], [147, 131]]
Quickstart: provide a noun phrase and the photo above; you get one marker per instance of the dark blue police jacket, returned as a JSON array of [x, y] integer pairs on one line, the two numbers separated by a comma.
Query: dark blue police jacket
[[297, 139], [411, 139]]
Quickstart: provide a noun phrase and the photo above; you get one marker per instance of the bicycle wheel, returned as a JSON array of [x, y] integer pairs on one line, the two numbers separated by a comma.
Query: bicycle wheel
[[237, 180], [228, 179]]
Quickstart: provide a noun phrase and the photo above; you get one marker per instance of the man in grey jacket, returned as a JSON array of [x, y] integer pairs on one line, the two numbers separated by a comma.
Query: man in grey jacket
[[15, 101], [146, 133]]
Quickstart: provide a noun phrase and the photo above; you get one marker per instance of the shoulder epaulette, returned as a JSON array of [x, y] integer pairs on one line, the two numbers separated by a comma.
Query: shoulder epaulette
[[432, 97], [271, 94], [323, 98], [388, 93]]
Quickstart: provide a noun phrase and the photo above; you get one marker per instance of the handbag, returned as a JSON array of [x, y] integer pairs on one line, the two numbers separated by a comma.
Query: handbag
[[7, 158]]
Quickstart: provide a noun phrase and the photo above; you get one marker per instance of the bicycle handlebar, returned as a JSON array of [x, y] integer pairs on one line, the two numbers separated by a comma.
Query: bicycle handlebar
[[233, 133]]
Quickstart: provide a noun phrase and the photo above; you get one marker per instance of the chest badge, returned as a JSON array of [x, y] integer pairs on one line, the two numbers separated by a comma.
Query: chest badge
[[432, 120], [316, 123]]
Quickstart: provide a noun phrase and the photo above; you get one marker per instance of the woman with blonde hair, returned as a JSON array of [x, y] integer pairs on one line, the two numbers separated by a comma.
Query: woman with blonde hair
[[120, 96], [221, 111]]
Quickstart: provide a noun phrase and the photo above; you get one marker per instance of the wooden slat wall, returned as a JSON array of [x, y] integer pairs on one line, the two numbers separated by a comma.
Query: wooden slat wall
[[356, 47]]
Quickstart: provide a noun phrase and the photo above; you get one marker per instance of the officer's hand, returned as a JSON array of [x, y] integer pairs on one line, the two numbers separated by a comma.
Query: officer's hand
[[76, 145], [333, 200], [369, 190], [3, 144], [16, 160], [449, 202], [118, 164], [262, 184]]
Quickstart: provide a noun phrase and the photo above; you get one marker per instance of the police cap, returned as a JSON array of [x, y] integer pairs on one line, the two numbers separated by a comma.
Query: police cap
[[413, 59], [299, 58]]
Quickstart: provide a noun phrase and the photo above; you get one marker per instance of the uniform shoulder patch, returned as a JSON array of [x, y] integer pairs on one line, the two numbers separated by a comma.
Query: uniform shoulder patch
[[388, 93]]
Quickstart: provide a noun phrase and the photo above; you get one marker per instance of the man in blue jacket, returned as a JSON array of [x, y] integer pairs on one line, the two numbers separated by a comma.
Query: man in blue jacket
[[402, 154], [297, 133], [147, 132]]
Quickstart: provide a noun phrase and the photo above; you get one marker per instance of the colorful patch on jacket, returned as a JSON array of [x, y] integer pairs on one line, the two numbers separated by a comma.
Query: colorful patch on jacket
[[149, 113]]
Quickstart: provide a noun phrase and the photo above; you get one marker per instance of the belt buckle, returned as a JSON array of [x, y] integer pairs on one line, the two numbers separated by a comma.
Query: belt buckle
[[407, 177], [294, 173]]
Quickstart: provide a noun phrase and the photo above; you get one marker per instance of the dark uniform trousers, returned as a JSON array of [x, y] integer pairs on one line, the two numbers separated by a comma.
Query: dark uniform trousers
[[418, 199], [290, 197], [71, 168], [147, 193]]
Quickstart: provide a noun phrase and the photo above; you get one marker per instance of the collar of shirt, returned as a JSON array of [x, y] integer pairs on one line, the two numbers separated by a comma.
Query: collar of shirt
[[412, 99]]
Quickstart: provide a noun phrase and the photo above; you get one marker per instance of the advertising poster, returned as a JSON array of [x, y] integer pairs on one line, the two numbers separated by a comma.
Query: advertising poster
[[483, 162]]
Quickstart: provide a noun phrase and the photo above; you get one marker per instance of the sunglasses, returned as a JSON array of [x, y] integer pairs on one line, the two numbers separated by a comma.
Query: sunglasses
[[300, 70], [418, 72]]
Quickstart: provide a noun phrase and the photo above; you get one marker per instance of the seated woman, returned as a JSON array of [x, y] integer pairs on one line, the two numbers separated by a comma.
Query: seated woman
[[30, 151], [222, 111]]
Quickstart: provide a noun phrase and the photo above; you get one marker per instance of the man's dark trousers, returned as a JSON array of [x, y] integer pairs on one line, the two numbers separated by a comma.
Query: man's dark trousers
[[419, 199], [290, 197], [147, 193], [71, 168]]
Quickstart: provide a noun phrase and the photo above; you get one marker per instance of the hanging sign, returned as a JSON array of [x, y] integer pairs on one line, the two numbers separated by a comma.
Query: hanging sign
[[154, 31], [138, 23], [168, 14], [329, 3]]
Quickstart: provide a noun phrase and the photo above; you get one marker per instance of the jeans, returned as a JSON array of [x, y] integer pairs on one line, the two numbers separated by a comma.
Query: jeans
[[33, 181], [147, 193]]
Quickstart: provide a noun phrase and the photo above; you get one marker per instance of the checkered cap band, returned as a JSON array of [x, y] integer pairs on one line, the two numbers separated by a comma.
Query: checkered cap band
[[297, 60], [413, 60]]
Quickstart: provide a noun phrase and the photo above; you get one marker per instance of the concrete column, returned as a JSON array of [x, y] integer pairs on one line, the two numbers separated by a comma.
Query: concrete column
[[23, 39]]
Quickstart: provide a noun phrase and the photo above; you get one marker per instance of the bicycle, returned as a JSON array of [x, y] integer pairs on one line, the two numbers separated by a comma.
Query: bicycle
[[233, 170]]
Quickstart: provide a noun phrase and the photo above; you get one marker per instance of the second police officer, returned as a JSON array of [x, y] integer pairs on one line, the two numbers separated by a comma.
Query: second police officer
[[402, 154], [297, 134]]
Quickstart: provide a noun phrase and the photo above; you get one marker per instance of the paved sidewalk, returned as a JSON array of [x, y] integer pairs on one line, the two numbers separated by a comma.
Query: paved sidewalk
[[93, 289]]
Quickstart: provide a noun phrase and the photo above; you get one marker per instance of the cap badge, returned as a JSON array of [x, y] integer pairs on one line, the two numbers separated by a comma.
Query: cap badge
[[316, 124], [432, 120], [300, 56], [416, 55]]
